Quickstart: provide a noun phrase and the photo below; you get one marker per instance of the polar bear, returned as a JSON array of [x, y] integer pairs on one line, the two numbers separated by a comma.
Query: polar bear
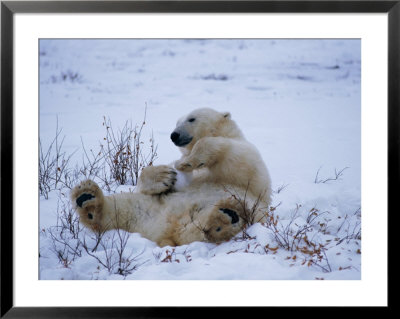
[[202, 212], [227, 188], [215, 151]]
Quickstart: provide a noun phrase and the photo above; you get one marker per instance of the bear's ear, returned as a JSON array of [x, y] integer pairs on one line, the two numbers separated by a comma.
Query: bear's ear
[[226, 115]]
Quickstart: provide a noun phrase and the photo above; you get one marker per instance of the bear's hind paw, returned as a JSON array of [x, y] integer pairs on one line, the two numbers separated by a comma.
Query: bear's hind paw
[[223, 223], [88, 198], [85, 194], [232, 214], [83, 198]]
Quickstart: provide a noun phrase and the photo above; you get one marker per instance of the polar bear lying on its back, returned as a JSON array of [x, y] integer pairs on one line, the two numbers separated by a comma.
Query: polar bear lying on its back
[[229, 188], [214, 150], [199, 213]]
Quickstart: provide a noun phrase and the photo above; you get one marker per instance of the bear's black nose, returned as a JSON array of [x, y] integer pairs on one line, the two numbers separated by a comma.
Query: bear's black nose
[[174, 136]]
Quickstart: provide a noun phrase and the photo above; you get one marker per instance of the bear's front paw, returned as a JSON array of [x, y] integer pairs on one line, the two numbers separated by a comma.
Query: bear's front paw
[[87, 198], [156, 180], [191, 163], [184, 166]]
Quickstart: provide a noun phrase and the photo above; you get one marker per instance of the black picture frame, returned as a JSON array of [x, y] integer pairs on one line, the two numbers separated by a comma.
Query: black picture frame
[[9, 8]]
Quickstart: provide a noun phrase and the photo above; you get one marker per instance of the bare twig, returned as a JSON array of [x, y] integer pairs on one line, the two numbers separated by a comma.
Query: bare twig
[[337, 176]]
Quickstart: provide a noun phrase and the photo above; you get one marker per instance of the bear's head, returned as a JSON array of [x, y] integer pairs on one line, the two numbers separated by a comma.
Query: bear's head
[[204, 122]]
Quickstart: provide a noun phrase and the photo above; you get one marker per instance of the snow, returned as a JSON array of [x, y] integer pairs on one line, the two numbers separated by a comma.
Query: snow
[[298, 101]]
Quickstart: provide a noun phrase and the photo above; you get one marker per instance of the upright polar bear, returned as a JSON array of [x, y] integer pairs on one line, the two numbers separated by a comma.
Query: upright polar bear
[[229, 188]]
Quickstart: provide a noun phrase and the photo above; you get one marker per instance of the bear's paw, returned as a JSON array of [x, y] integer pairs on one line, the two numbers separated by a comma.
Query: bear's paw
[[222, 224], [85, 194], [156, 180], [88, 200], [232, 214]]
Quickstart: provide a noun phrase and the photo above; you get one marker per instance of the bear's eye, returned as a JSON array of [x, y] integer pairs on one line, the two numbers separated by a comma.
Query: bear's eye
[[90, 216], [218, 229], [192, 119]]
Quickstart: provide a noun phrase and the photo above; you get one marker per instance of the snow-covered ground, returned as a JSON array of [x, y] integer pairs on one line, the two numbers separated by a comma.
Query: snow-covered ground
[[298, 101]]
